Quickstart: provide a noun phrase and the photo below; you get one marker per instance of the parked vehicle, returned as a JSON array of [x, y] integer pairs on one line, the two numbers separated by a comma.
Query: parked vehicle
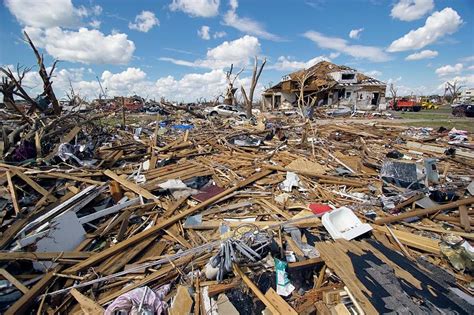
[[463, 110], [426, 103], [405, 104], [226, 111]]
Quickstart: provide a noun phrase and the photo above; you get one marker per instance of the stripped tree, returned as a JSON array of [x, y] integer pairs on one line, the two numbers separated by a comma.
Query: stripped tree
[[301, 80], [46, 77], [453, 90], [229, 97], [253, 84]]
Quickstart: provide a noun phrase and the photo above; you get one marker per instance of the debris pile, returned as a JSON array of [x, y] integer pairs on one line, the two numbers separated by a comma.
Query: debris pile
[[180, 214]]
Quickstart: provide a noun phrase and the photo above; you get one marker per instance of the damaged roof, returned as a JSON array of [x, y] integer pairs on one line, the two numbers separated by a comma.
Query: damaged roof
[[320, 79]]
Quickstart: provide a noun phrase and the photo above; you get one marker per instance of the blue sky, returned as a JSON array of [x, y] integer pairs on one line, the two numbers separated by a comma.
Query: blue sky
[[179, 48]]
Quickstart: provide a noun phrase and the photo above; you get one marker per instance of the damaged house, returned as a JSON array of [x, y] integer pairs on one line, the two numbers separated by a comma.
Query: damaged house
[[326, 83]]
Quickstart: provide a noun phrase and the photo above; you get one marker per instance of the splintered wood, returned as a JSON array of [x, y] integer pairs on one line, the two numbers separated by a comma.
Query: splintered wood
[[103, 218]]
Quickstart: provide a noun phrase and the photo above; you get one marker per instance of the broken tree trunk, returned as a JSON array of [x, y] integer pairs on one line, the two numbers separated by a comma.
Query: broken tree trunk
[[256, 75], [47, 84]]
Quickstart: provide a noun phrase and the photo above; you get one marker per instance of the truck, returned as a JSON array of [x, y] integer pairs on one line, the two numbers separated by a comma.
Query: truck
[[405, 104]]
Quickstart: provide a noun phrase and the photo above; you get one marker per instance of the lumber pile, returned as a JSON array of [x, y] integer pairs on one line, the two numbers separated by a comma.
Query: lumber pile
[[224, 216]]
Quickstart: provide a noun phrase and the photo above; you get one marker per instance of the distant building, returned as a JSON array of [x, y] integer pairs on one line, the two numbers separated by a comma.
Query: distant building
[[468, 94], [330, 84]]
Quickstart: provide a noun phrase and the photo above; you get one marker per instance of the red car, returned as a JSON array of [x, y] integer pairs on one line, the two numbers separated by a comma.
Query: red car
[[405, 104]]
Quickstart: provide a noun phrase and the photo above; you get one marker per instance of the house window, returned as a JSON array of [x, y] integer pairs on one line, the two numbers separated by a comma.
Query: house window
[[348, 94], [348, 76]]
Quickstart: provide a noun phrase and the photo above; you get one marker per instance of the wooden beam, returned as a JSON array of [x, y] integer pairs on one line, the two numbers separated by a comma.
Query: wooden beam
[[20, 286], [279, 303], [162, 224], [23, 304], [7, 256], [34, 185], [13, 195], [256, 291], [423, 212], [464, 217], [132, 186], [88, 306]]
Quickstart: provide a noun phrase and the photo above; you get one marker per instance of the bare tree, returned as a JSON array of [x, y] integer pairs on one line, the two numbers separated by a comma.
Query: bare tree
[[393, 92], [301, 82], [229, 97], [256, 75], [453, 89], [45, 76]]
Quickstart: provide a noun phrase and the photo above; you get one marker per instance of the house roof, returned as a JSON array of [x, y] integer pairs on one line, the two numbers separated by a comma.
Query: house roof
[[319, 78]]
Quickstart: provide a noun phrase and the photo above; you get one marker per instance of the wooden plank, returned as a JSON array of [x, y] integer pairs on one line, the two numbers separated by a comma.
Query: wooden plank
[[23, 304], [34, 185], [71, 177], [132, 186], [412, 240], [423, 212], [304, 263], [256, 291], [279, 303], [182, 302], [7, 256], [162, 224], [13, 195], [88, 306], [464, 217], [20, 286]]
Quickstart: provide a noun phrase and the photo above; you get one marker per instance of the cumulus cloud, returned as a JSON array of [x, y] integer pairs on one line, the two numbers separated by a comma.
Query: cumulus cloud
[[355, 34], [437, 25], [195, 8], [371, 53], [285, 63], [410, 10], [86, 46], [245, 24], [237, 52], [425, 54], [219, 34], [203, 32], [449, 70], [50, 13], [144, 22]]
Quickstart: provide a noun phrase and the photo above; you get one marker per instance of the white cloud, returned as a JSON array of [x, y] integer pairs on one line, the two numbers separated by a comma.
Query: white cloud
[[439, 24], [425, 54], [449, 70], [219, 34], [334, 55], [144, 22], [237, 52], [86, 46], [467, 59], [50, 13], [287, 64], [355, 34], [201, 8], [371, 53], [246, 25], [465, 81], [373, 73], [410, 10], [470, 68], [95, 23], [203, 32]]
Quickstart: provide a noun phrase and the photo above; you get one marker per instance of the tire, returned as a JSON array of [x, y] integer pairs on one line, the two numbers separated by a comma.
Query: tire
[[243, 117], [416, 108], [213, 114]]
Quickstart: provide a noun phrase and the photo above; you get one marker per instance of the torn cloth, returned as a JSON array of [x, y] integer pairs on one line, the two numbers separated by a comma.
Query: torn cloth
[[153, 301]]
